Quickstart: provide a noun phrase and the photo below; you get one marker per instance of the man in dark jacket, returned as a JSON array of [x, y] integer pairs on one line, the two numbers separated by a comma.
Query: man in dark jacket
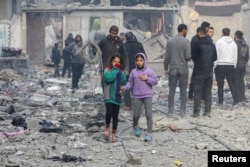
[[112, 44], [203, 54], [67, 55], [193, 41], [240, 70], [133, 47], [56, 58]]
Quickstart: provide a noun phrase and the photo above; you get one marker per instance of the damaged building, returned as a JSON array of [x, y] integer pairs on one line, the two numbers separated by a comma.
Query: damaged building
[[33, 26]]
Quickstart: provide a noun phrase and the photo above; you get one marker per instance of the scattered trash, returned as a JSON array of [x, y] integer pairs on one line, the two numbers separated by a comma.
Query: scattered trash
[[70, 158], [178, 162], [19, 121]]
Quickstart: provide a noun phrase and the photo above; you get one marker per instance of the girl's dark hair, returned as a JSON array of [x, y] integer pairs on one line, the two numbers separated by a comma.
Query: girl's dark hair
[[117, 55]]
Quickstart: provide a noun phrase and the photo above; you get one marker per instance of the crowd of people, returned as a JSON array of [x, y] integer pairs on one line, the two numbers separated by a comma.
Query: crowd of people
[[124, 72], [227, 59]]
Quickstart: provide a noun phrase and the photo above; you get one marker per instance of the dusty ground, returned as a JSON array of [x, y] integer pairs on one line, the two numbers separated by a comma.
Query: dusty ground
[[80, 117]]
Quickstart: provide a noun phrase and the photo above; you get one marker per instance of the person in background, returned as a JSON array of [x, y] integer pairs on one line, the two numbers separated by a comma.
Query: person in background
[[56, 58], [132, 47], [203, 55], [111, 45], [240, 70], [122, 36], [141, 81], [69, 39], [67, 55], [193, 41], [178, 53], [113, 78], [225, 64], [210, 32], [77, 63]]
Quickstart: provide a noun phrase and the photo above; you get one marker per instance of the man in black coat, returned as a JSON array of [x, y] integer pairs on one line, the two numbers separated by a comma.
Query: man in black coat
[[132, 47], [203, 54]]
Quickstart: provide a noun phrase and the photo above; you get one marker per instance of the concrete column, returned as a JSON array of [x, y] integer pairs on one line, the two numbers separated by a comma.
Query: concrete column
[[65, 28], [24, 32]]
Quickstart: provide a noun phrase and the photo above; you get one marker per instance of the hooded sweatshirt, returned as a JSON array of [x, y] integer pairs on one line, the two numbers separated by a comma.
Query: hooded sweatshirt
[[142, 89], [226, 51]]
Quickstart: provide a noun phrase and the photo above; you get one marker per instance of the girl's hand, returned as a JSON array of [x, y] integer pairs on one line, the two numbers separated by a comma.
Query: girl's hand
[[121, 92], [143, 77]]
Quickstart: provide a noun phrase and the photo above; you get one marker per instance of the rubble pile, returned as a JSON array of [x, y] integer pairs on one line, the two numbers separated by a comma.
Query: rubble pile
[[44, 123]]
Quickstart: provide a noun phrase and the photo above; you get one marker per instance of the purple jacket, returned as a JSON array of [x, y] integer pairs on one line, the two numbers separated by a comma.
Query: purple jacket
[[142, 89]]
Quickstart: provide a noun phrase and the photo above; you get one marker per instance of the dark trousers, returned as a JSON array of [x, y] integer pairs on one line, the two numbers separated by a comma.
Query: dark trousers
[[202, 83], [76, 74], [66, 67], [56, 73], [191, 90], [173, 80], [222, 72], [240, 83], [112, 112], [127, 98]]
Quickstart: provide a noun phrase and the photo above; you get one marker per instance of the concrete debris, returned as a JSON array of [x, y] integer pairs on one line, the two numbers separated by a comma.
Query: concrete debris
[[43, 121]]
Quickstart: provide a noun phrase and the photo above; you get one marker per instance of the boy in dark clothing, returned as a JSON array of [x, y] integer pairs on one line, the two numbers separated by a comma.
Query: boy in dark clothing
[[67, 55], [56, 58]]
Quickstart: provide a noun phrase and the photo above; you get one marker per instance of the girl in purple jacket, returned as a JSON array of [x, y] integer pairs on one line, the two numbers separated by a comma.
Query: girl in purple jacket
[[141, 81]]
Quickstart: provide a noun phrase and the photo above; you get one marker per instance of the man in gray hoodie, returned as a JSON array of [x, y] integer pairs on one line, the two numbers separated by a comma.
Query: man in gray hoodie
[[226, 63], [178, 53]]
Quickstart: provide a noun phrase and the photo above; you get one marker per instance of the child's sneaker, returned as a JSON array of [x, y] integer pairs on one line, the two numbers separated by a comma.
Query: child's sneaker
[[137, 132], [148, 138]]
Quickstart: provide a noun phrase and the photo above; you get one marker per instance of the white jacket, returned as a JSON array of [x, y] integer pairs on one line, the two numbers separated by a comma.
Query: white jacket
[[226, 51]]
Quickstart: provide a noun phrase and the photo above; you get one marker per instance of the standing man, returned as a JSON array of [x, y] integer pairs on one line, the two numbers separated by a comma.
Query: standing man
[[193, 41], [210, 32], [133, 47], [226, 63], [178, 53], [203, 55], [111, 45], [240, 71]]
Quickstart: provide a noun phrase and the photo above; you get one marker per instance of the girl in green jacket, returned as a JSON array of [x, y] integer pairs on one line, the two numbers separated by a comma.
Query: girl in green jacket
[[114, 78]]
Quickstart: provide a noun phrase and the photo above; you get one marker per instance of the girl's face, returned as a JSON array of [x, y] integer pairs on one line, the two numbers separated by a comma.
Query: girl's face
[[116, 61], [139, 62]]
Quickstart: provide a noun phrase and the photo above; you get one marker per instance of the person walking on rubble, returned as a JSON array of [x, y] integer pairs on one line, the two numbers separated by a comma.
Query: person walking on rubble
[[113, 79], [111, 45], [56, 58], [141, 81], [225, 64], [77, 63], [178, 53], [203, 54], [132, 47], [240, 70]]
